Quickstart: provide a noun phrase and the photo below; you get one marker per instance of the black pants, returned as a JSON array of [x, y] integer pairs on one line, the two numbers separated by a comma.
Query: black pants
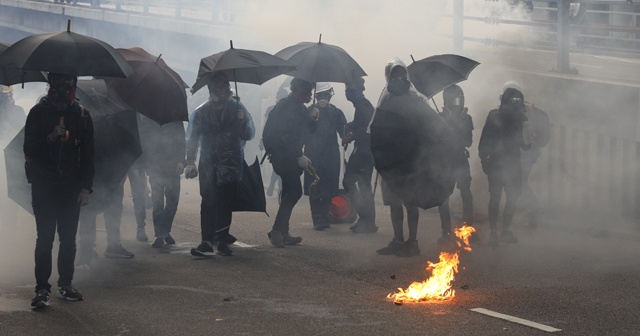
[[289, 172], [165, 193], [56, 208], [357, 183], [215, 209], [112, 211], [138, 183], [509, 181], [463, 182]]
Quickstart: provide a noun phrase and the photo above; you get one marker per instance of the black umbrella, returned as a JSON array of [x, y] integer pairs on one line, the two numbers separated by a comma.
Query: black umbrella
[[116, 138], [250, 196], [11, 76], [435, 73], [66, 53], [321, 62], [241, 65]]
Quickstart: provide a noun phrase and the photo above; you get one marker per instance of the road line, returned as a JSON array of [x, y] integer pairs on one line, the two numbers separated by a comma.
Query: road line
[[516, 320]]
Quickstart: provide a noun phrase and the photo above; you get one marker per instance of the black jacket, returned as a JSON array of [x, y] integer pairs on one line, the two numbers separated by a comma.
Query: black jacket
[[284, 133], [501, 140], [71, 160], [360, 124]]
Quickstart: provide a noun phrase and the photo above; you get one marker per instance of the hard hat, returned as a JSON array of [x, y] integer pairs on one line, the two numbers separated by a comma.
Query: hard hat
[[322, 87], [511, 84], [6, 89]]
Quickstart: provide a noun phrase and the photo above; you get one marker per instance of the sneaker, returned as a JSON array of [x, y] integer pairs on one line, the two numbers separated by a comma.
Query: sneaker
[[365, 228], [224, 250], [41, 300], [493, 239], [508, 237], [230, 239], [390, 249], [291, 240], [169, 240], [141, 235], [205, 249], [69, 293], [117, 251], [409, 249], [276, 239], [445, 238], [158, 243]]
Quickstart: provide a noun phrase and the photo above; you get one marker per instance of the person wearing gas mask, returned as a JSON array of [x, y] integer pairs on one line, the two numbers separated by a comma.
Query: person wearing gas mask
[[322, 148], [455, 114], [359, 169], [58, 148], [12, 119], [410, 143], [283, 139], [219, 130], [502, 139]]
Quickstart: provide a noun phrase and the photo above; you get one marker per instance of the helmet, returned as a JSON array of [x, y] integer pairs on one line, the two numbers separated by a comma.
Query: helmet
[[323, 86], [511, 84]]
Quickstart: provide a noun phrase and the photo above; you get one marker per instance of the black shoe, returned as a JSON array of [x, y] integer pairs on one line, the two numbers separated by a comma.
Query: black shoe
[[276, 239], [508, 237], [205, 249], [390, 249], [409, 249], [365, 228], [117, 251], [290, 240], [141, 235], [224, 250], [230, 239], [169, 240], [158, 243], [41, 300], [69, 293]]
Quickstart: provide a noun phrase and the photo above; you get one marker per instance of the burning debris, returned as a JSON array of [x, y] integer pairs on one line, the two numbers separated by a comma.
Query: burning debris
[[438, 286]]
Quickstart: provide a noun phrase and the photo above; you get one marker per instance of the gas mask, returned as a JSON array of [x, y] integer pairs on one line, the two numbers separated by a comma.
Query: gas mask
[[219, 92], [398, 85], [62, 90], [324, 97], [455, 104]]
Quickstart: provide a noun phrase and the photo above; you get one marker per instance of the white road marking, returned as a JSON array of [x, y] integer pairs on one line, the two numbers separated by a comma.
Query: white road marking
[[516, 320]]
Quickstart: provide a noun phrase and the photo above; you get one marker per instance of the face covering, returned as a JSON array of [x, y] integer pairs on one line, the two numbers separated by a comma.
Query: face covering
[[398, 86]]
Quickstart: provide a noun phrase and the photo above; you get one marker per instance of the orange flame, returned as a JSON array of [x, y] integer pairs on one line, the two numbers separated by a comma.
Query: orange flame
[[438, 286]]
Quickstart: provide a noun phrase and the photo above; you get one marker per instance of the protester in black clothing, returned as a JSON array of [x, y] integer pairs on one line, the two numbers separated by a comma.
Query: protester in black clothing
[[282, 92], [499, 150], [220, 128], [455, 114], [283, 139], [58, 148], [165, 155], [322, 148], [359, 169]]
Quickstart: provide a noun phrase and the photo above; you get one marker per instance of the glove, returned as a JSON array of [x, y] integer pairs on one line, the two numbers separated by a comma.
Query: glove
[[314, 114], [191, 171], [180, 168], [58, 131], [303, 162], [347, 138], [83, 197]]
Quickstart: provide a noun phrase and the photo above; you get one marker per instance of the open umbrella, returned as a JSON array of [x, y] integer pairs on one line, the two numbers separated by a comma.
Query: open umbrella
[[241, 65], [11, 75], [321, 62], [66, 53], [154, 89], [435, 73]]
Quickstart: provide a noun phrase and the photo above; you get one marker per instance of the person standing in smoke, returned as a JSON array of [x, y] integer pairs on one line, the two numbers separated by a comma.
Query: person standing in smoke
[[58, 148], [166, 162], [322, 147], [220, 128], [283, 139], [503, 136], [359, 169], [539, 129], [455, 114], [12, 119]]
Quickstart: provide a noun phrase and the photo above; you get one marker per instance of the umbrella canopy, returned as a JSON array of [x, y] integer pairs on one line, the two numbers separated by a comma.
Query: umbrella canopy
[[435, 73], [11, 76], [66, 53], [116, 138], [321, 62], [241, 65], [250, 196], [154, 89]]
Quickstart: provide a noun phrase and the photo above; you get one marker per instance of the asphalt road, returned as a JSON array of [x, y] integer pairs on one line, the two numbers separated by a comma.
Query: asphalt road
[[332, 284]]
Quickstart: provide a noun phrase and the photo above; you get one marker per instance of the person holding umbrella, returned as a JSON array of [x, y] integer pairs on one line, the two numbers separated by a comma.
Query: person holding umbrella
[[283, 139], [58, 148], [220, 128]]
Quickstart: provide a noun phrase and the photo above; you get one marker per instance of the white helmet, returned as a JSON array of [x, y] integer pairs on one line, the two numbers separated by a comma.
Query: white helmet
[[323, 86], [511, 85]]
